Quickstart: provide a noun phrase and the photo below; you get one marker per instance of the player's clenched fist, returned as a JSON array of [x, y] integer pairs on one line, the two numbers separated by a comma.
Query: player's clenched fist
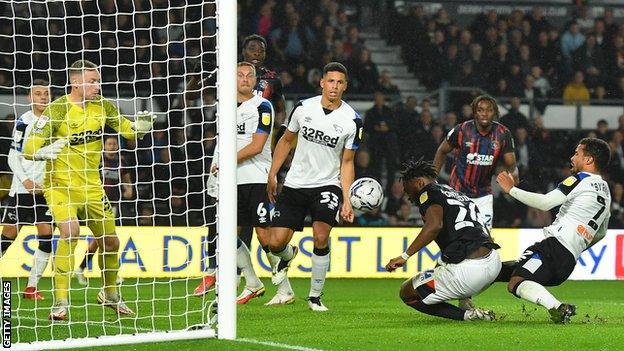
[[395, 263]]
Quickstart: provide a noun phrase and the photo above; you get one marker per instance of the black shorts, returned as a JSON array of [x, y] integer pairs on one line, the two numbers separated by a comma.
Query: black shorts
[[26, 209], [547, 262], [253, 206], [293, 205]]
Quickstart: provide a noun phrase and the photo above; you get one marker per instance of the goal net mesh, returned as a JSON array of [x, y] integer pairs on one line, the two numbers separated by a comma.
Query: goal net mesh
[[147, 53]]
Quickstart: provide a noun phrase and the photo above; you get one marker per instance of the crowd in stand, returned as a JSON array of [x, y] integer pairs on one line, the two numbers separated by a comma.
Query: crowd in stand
[[520, 56]]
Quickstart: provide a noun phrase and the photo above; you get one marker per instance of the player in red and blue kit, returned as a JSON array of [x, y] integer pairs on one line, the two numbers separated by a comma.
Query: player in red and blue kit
[[479, 146]]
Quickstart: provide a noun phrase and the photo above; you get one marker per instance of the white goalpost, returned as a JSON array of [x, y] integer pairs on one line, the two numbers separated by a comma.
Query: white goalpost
[[147, 52]]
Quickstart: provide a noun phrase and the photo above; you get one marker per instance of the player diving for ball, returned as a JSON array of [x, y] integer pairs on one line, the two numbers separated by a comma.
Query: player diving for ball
[[469, 262]]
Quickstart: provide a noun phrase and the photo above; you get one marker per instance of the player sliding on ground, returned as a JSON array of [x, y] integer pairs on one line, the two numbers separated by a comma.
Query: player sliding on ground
[[469, 262], [582, 221], [69, 136], [327, 131], [26, 204]]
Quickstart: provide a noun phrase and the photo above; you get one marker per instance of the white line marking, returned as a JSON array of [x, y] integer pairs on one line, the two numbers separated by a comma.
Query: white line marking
[[276, 344], [108, 324]]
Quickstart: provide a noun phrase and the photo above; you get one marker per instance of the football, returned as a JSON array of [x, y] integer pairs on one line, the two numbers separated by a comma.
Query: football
[[366, 194]]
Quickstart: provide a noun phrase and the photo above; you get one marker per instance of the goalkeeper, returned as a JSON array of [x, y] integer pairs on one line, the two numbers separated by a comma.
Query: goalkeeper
[[69, 136]]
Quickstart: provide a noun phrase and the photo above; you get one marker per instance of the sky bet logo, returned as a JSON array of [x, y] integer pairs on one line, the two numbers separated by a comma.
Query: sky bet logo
[[319, 137], [479, 160]]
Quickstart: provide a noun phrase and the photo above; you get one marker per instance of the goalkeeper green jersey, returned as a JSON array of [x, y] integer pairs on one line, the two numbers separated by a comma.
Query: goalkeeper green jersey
[[78, 163]]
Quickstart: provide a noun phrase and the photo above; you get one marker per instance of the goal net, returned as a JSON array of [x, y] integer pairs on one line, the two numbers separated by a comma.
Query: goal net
[[157, 56]]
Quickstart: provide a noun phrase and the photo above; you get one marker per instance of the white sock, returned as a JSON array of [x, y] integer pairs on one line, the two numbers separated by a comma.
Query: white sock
[[286, 254], [534, 292], [40, 262], [320, 265], [273, 260], [210, 271], [243, 261], [284, 287]]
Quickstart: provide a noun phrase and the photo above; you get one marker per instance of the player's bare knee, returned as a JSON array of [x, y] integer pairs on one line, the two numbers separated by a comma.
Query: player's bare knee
[[9, 231], [407, 293], [513, 284]]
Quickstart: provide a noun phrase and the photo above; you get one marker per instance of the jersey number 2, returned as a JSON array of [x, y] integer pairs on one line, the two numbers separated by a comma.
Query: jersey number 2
[[460, 221]]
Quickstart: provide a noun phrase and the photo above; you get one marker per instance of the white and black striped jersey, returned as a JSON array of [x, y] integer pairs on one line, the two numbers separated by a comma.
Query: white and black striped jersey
[[584, 217], [254, 116], [33, 170], [323, 134]]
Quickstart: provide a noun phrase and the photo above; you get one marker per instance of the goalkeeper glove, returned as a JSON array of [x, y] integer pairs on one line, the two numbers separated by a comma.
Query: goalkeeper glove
[[51, 151], [143, 122]]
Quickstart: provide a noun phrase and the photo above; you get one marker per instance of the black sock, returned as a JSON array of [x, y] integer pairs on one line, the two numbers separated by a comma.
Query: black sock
[[443, 309], [4, 243], [87, 260]]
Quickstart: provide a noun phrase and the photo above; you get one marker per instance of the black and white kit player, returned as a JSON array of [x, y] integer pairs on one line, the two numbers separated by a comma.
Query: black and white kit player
[[469, 262], [328, 132], [582, 221], [26, 204]]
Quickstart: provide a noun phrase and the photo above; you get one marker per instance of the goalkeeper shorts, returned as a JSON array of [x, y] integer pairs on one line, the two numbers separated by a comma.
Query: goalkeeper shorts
[[89, 204]]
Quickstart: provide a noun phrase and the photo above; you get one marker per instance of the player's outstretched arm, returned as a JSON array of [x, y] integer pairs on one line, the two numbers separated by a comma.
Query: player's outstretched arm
[[542, 202], [434, 221], [282, 149], [440, 155]]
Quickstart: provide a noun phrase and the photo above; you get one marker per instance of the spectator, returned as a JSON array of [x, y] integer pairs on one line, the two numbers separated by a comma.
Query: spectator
[[500, 62], [354, 44], [514, 80], [525, 153], [589, 59], [394, 200], [538, 22], [501, 89], [515, 119], [576, 92], [364, 72], [531, 94], [407, 119], [540, 82], [291, 41], [263, 23], [602, 130], [448, 69], [571, 40], [386, 86], [450, 121], [380, 129], [525, 61]]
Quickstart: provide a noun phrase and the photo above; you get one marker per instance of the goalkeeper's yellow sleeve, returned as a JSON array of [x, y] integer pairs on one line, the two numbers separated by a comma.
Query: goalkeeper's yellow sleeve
[[118, 122]]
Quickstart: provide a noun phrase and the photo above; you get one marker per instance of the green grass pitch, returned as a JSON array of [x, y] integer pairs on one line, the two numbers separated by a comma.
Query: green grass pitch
[[365, 314]]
